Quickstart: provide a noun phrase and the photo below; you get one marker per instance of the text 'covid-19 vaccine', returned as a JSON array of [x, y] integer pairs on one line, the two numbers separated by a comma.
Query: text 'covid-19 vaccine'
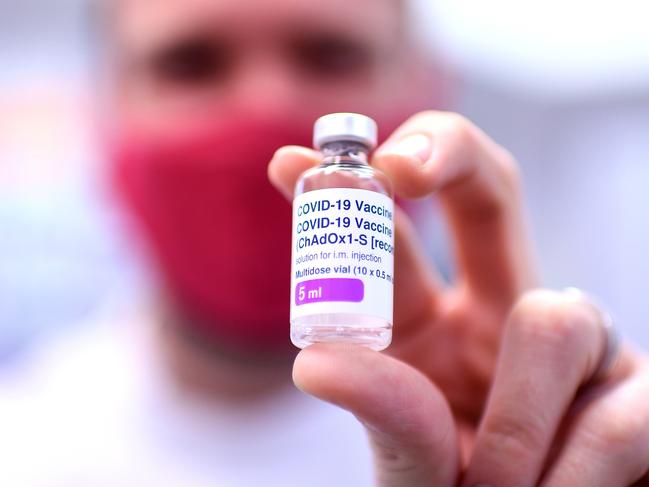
[[342, 269]]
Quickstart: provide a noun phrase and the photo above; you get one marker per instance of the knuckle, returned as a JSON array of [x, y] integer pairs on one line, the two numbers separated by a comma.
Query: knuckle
[[512, 436], [547, 317]]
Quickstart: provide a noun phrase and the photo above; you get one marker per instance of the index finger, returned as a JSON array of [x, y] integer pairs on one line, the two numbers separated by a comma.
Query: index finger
[[478, 183]]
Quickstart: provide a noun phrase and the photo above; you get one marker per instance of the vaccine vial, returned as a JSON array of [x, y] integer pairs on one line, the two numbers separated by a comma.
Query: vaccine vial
[[342, 268]]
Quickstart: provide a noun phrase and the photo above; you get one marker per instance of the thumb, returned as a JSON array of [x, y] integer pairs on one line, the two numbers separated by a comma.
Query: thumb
[[407, 418]]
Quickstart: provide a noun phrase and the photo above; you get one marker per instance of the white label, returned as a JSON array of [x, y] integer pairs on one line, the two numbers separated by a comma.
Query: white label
[[343, 253]]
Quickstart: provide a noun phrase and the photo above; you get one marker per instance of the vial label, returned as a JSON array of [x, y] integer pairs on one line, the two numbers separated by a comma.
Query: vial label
[[343, 253]]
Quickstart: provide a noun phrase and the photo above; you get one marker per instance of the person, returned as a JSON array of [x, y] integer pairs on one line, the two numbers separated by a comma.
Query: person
[[489, 381]]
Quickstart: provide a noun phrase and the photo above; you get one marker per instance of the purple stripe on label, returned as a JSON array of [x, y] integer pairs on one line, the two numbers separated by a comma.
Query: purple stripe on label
[[334, 289]]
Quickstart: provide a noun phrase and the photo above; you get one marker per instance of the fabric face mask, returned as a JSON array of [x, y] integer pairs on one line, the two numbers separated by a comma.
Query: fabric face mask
[[219, 232]]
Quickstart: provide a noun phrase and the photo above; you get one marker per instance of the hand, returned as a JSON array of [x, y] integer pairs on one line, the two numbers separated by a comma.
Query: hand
[[423, 405]]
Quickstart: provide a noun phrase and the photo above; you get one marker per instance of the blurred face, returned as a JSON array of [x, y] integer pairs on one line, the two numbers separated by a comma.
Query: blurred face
[[202, 58], [206, 91]]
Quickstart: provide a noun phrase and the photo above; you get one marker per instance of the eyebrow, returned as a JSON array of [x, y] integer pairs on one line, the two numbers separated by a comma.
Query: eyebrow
[[213, 27]]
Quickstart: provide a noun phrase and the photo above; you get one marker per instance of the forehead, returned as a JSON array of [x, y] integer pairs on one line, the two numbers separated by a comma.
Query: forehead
[[145, 23]]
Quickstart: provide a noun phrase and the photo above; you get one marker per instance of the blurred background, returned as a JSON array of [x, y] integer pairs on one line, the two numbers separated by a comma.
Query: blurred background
[[563, 84]]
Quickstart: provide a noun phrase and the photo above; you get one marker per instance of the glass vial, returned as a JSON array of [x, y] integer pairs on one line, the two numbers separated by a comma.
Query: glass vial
[[342, 267]]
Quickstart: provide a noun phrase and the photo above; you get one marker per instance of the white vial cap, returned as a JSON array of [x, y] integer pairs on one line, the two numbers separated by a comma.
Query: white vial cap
[[352, 127]]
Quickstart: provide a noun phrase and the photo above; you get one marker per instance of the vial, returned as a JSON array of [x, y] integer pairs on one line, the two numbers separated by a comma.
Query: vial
[[342, 267]]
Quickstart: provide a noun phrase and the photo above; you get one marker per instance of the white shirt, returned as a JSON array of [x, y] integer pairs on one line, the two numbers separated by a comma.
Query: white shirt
[[95, 409]]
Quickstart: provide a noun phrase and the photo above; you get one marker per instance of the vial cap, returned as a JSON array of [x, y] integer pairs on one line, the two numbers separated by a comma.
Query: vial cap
[[345, 127]]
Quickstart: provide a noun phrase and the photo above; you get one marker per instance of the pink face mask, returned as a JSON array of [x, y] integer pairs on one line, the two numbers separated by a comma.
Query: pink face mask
[[219, 232]]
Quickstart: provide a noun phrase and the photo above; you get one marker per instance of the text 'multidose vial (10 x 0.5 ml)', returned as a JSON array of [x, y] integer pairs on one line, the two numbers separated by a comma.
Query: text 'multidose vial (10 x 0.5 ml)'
[[342, 269]]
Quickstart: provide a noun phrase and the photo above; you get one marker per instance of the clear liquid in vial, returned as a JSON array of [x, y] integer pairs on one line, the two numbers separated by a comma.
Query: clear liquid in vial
[[369, 322]]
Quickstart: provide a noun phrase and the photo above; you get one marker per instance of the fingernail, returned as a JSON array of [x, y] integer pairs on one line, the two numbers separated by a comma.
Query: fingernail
[[418, 146], [576, 294]]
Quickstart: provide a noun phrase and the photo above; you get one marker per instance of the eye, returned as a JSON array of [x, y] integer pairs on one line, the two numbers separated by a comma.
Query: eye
[[332, 56], [193, 61]]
